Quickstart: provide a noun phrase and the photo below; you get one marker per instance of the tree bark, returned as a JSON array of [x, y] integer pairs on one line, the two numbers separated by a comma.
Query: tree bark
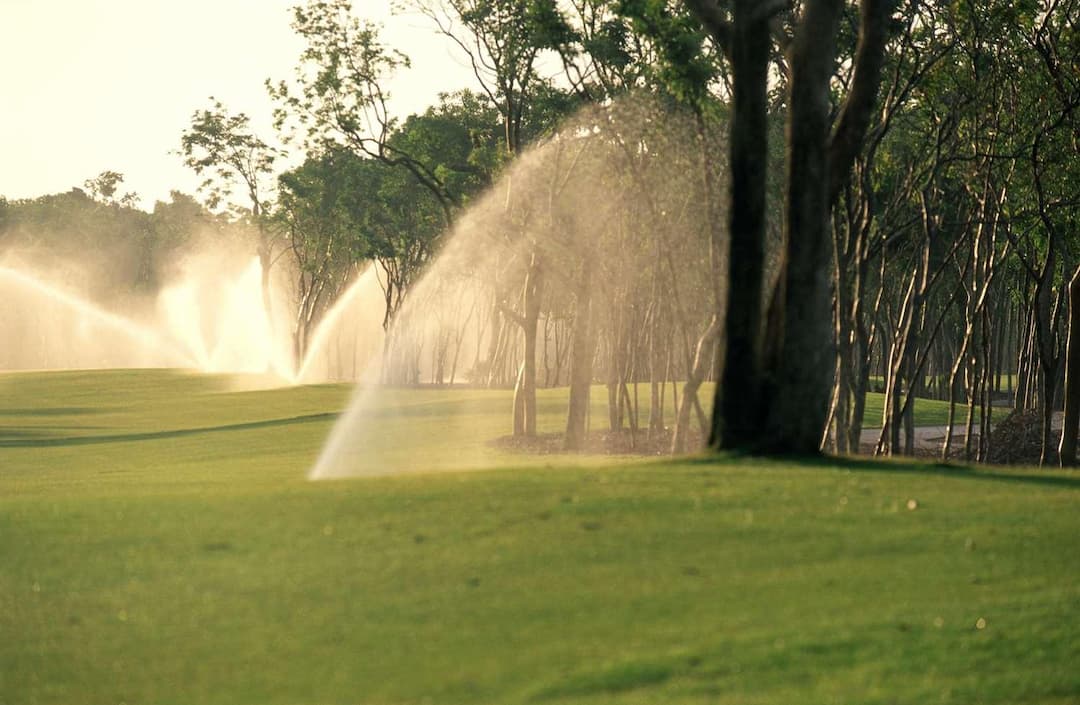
[[1071, 424], [695, 375], [581, 359], [525, 389], [736, 422], [799, 385]]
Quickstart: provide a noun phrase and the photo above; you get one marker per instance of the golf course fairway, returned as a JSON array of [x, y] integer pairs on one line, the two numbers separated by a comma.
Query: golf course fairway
[[160, 543]]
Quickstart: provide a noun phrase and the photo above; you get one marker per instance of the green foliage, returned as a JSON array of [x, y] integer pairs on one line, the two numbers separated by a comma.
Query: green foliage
[[121, 249], [339, 93], [339, 99], [505, 42], [222, 146], [104, 186], [533, 25], [340, 208], [458, 139], [686, 64], [312, 210]]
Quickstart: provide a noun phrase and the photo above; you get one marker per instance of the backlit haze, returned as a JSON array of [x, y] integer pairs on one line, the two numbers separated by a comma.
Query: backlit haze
[[111, 84]]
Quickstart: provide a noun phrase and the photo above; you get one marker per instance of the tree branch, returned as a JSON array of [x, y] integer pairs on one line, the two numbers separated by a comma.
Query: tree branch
[[715, 21], [858, 107]]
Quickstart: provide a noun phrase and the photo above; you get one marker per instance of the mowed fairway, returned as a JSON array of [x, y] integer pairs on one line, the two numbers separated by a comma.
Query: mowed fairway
[[159, 543]]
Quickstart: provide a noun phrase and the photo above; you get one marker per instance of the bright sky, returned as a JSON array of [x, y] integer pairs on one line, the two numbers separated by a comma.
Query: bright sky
[[90, 85]]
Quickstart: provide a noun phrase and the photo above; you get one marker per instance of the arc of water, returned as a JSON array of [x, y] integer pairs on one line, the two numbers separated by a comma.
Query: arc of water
[[141, 335]]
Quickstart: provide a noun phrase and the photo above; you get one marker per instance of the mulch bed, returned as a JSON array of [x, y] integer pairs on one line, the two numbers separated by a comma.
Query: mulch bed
[[1017, 439]]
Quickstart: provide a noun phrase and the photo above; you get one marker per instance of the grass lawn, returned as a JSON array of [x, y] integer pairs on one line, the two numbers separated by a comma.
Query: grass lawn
[[928, 412], [159, 543]]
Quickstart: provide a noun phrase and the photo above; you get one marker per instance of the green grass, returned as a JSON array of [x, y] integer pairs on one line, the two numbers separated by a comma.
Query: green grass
[[159, 544], [928, 412]]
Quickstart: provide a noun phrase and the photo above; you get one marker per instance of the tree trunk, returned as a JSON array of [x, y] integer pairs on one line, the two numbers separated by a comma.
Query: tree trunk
[[581, 360], [267, 300], [519, 402], [694, 377], [1069, 429], [525, 389], [1046, 324], [801, 380], [736, 409]]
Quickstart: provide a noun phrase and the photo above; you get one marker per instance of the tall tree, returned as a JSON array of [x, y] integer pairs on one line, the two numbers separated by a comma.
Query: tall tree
[[783, 371], [339, 94], [222, 147], [504, 41]]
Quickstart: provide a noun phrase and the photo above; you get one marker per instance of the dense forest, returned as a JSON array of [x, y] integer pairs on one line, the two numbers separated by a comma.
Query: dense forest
[[801, 202]]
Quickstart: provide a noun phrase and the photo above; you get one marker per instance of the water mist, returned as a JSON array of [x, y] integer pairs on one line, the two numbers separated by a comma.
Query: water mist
[[209, 317], [609, 223]]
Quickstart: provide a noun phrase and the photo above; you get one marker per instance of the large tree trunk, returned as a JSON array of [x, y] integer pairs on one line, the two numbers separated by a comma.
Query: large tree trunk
[[792, 395], [801, 381], [736, 410]]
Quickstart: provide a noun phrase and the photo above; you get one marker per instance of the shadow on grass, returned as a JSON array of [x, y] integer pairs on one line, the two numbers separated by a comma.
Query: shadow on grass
[[609, 681], [1061, 478], [26, 433], [157, 435], [52, 411]]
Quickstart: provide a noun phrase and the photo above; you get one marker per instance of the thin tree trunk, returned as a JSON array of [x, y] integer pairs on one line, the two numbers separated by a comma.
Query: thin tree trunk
[[581, 360], [1067, 449]]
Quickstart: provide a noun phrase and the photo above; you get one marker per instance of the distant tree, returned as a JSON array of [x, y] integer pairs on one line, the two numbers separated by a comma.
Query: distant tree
[[5, 214], [458, 138], [222, 147], [103, 188], [339, 95], [323, 241], [504, 41], [177, 221], [109, 245]]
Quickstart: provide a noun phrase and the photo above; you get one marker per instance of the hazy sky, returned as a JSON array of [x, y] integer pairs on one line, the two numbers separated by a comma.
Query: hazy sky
[[90, 85]]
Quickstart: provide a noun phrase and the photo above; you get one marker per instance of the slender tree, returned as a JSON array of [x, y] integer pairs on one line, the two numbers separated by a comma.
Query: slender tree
[[222, 147]]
